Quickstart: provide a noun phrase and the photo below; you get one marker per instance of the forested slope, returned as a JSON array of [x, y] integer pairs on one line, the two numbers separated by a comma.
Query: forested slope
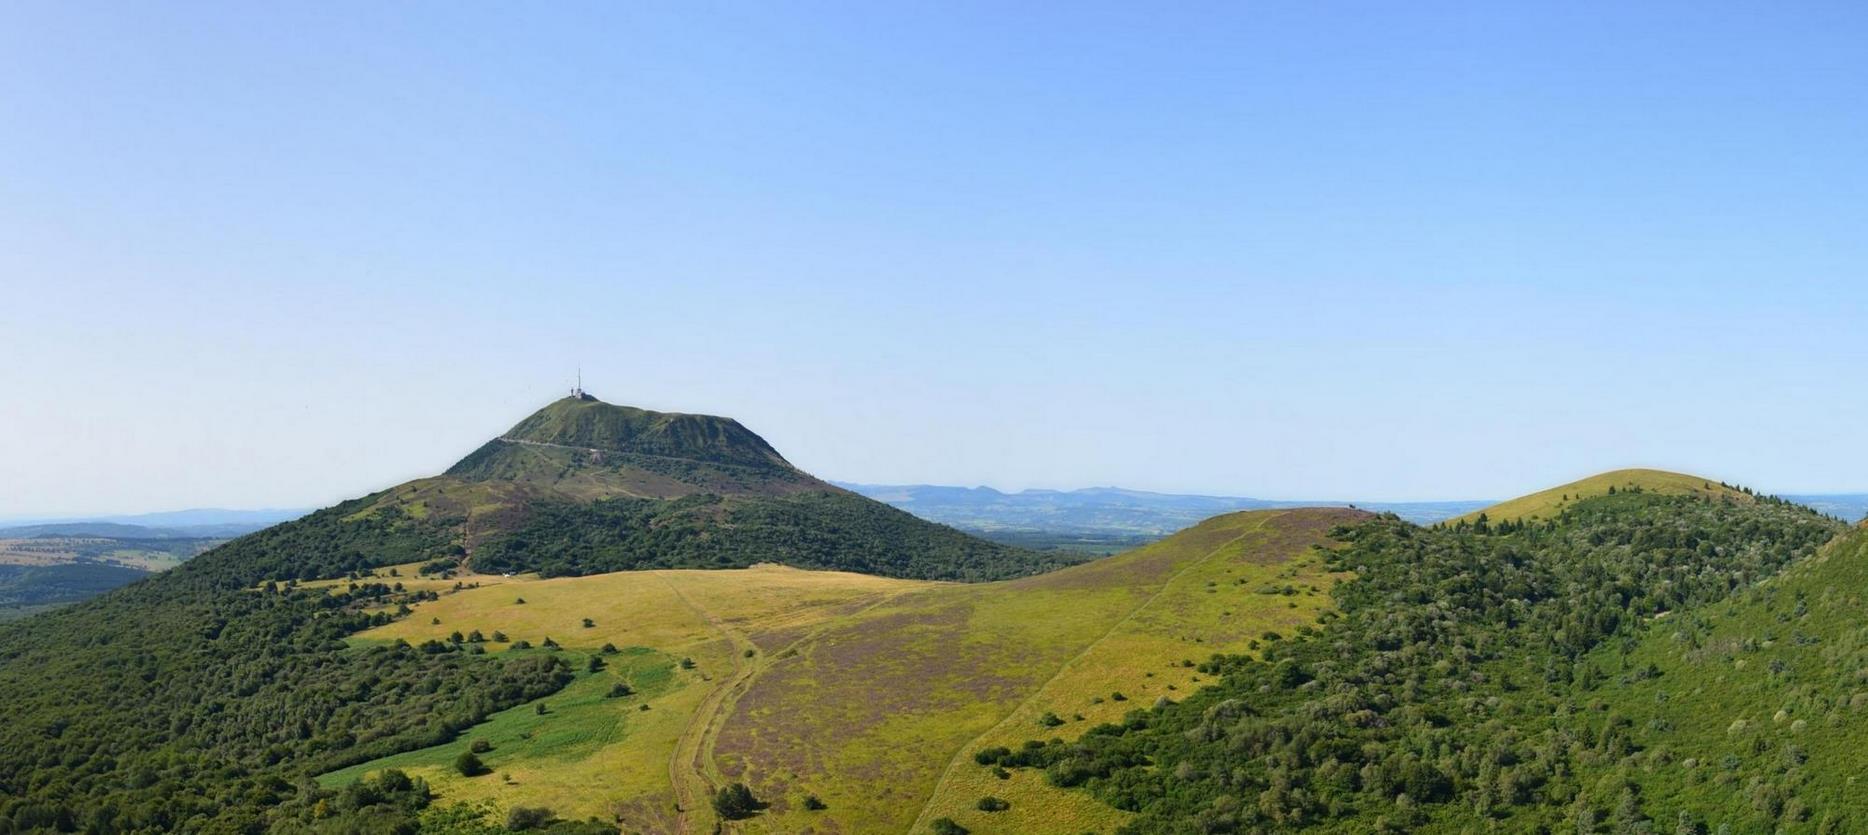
[[199, 701], [1471, 680]]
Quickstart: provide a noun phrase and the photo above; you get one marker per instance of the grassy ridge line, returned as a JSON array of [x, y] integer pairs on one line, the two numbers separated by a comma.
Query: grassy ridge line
[[965, 750], [1547, 504], [868, 717], [1267, 581]]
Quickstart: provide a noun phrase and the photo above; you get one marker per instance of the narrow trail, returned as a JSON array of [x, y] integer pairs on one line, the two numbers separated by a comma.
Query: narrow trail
[[740, 686], [961, 755], [685, 770], [597, 451], [691, 768], [549, 444]]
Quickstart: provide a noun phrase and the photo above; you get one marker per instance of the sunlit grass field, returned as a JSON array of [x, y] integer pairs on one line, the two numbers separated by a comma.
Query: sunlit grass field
[[870, 694], [1223, 602], [1547, 504]]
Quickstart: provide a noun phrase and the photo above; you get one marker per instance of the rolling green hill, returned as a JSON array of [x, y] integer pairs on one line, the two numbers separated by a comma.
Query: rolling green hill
[[1547, 504], [533, 630], [196, 700], [1527, 677], [583, 486], [870, 694]]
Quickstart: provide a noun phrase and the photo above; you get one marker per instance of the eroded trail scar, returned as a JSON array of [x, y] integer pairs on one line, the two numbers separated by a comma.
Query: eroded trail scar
[[692, 767], [961, 755], [685, 770]]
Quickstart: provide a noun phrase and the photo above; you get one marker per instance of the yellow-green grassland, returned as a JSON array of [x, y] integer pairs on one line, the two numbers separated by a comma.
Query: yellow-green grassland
[[869, 694]]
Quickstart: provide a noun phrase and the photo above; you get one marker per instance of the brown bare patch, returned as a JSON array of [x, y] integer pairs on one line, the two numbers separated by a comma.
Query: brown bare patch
[[1291, 533], [648, 815]]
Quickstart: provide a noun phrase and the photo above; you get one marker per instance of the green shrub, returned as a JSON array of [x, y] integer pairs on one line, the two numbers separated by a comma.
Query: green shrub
[[735, 802], [522, 818], [469, 765]]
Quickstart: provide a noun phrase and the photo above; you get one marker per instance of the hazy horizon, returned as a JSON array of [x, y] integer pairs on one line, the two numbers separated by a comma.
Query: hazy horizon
[[127, 514], [282, 256]]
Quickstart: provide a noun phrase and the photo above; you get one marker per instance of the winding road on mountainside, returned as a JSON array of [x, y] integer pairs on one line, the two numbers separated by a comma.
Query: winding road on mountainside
[[961, 755], [596, 451], [691, 769]]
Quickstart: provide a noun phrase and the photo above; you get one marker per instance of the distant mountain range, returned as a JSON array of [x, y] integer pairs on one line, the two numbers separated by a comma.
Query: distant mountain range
[[1849, 507], [173, 524], [1105, 511], [49, 563], [1113, 516]]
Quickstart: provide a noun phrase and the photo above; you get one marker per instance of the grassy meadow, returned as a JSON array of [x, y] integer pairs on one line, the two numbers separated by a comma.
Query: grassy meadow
[[870, 694], [1548, 504], [602, 756], [1264, 579]]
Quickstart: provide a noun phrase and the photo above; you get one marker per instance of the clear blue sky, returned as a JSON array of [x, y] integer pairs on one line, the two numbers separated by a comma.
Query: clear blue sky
[[264, 254]]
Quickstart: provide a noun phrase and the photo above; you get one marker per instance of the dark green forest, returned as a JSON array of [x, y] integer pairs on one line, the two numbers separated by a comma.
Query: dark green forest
[[201, 700], [1478, 678], [35, 585], [831, 530]]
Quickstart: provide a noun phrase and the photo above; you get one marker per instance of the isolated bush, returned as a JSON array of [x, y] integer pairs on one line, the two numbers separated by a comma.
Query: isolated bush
[[522, 818], [946, 826], [469, 765], [480, 746], [735, 802], [992, 804]]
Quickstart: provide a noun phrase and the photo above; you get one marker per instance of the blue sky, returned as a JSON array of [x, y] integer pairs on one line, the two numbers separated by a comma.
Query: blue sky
[[272, 254]]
